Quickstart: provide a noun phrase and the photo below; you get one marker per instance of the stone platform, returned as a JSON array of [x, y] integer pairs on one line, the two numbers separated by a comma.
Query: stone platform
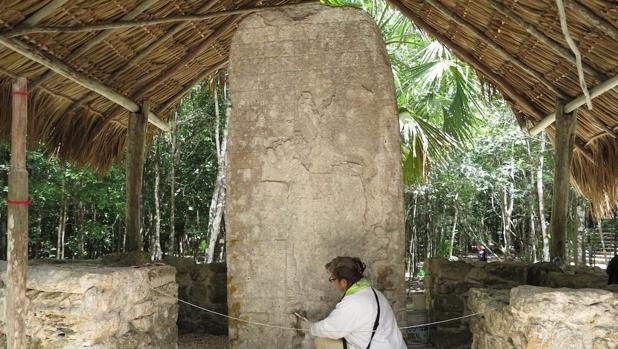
[[85, 305], [448, 286], [544, 318]]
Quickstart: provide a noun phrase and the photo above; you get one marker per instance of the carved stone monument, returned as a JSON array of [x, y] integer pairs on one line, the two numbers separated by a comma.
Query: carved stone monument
[[314, 167]]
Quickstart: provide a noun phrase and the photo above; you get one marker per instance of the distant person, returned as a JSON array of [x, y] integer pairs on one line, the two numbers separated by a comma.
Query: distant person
[[612, 271], [482, 254], [362, 319]]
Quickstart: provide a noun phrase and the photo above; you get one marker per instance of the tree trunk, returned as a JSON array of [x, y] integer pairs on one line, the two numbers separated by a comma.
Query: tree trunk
[[17, 218], [600, 230], [217, 204], [532, 237], [62, 220], [172, 239], [581, 230], [566, 124], [575, 230], [413, 240], [79, 224], [454, 230], [157, 254], [135, 172], [541, 197]]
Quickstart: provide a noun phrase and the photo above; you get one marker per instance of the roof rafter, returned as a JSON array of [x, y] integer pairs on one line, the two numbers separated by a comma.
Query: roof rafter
[[81, 79], [586, 13], [96, 40], [138, 57], [43, 12], [506, 55], [127, 21], [575, 103], [561, 51], [505, 86], [171, 70], [187, 87], [168, 35]]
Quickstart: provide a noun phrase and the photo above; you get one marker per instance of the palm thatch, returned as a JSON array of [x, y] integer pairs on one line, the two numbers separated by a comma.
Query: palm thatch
[[500, 39], [515, 45]]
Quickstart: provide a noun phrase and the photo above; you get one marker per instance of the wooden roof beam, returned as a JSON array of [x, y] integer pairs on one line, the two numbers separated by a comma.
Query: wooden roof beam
[[129, 23], [577, 102], [171, 70], [558, 49], [581, 148], [168, 35], [81, 79], [505, 87], [187, 87], [138, 57], [143, 6], [506, 55], [597, 21], [43, 12]]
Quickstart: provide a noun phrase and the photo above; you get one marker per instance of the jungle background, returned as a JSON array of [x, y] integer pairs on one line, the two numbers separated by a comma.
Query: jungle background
[[472, 176]]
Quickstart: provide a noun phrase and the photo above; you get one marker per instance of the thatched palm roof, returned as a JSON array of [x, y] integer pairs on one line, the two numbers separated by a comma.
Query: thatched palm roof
[[518, 47], [515, 45]]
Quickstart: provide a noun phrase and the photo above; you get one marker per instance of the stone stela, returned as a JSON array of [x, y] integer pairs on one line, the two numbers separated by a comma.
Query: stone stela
[[314, 167]]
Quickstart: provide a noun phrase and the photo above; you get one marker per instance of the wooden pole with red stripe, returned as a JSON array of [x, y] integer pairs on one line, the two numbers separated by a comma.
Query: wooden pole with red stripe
[[18, 202]]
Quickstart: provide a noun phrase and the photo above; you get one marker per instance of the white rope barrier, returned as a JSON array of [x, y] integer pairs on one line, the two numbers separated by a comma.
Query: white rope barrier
[[294, 328]]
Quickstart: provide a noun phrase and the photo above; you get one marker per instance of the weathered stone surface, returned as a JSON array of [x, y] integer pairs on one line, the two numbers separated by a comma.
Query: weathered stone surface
[[84, 305], [314, 166], [448, 283], [546, 318], [581, 278], [203, 285]]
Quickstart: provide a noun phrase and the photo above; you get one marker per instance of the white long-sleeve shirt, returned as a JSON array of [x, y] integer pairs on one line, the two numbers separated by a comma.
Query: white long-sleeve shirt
[[353, 319]]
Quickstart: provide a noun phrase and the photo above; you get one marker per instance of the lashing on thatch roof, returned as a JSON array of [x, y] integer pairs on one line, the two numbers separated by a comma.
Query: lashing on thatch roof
[[515, 45]]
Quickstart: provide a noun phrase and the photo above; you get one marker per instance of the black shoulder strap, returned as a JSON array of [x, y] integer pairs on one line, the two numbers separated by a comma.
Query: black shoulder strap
[[377, 322]]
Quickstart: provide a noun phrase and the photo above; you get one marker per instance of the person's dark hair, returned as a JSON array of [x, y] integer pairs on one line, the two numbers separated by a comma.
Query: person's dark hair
[[347, 268]]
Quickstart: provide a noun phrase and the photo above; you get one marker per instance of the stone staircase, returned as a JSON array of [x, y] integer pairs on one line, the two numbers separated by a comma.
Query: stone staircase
[[610, 237]]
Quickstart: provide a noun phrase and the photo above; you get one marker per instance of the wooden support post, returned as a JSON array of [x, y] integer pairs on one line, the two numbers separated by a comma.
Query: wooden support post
[[565, 141], [17, 220], [136, 135]]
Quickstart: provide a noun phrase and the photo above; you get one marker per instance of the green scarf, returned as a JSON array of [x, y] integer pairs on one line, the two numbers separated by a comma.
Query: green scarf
[[357, 286]]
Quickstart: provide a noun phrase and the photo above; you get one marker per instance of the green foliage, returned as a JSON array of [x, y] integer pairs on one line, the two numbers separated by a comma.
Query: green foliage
[[421, 273], [101, 198], [437, 95]]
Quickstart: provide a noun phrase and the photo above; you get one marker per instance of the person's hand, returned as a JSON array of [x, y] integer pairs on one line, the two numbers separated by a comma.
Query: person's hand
[[303, 323]]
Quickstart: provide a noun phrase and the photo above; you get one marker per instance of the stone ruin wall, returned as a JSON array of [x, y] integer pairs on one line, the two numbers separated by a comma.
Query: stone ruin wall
[[448, 286], [529, 317], [314, 166], [85, 305], [203, 285]]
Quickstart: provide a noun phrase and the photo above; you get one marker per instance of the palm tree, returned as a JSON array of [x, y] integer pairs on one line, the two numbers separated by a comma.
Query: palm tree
[[437, 94]]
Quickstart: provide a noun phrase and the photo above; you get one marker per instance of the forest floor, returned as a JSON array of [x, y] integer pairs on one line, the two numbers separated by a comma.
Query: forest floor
[[193, 341]]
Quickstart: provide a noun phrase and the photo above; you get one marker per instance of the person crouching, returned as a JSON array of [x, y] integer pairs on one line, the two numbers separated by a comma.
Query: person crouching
[[362, 319]]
